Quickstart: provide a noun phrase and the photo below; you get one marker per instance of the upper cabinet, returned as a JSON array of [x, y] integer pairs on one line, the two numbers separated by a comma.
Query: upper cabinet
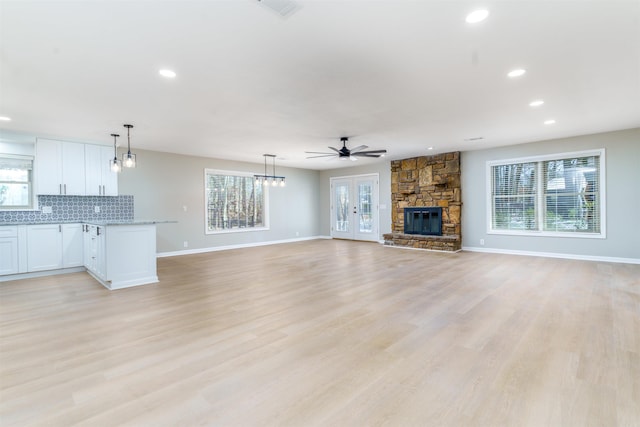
[[59, 168], [73, 169], [99, 179]]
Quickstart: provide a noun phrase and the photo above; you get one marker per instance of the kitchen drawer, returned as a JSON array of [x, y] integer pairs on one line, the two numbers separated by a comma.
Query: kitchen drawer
[[9, 231]]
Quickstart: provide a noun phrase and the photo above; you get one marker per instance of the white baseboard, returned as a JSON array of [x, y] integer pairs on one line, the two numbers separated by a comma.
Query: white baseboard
[[20, 276], [239, 246], [553, 255]]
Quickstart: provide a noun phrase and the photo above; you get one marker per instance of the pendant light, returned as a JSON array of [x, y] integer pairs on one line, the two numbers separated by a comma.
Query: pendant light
[[115, 164], [128, 159], [265, 179]]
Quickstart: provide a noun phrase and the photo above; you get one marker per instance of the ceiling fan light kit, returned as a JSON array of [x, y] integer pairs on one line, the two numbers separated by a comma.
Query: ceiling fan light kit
[[273, 180], [348, 154]]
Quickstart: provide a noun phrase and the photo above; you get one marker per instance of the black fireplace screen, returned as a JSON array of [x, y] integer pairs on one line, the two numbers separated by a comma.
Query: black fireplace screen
[[427, 221]]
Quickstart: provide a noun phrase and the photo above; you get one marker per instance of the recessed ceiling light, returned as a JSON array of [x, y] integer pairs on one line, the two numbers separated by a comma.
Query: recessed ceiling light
[[430, 148], [477, 16], [549, 122], [5, 118], [167, 73], [536, 103], [517, 72]]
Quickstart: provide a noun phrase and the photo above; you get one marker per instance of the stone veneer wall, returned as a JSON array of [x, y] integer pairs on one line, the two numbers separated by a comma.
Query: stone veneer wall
[[426, 181]]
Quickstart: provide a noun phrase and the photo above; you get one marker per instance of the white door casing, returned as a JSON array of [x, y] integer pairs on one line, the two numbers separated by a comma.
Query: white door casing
[[354, 207]]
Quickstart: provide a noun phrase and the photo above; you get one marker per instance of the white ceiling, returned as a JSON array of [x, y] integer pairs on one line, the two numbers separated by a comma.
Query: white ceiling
[[400, 75]]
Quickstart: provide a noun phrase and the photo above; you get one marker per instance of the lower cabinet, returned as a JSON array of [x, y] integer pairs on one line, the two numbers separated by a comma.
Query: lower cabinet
[[94, 251], [9, 250], [54, 246]]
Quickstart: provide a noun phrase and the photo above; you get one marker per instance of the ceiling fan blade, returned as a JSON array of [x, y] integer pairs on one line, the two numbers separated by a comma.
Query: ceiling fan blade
[[335, 149], [359, 148], [322, 155], [372, 152], [367, 155], [319, 152]]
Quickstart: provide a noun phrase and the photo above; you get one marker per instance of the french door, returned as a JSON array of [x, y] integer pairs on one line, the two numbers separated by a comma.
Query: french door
[[354, 207]]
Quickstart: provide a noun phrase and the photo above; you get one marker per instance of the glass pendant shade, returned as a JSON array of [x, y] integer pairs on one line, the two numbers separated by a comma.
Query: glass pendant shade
[[114, 164], [128, 158]]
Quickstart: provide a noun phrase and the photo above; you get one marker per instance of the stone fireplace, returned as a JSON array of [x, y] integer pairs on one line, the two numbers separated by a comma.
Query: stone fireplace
[[422, 184]]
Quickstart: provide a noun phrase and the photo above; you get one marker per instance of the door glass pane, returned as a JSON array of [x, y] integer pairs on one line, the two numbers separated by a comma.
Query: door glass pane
[[342, 207], [365, 217]]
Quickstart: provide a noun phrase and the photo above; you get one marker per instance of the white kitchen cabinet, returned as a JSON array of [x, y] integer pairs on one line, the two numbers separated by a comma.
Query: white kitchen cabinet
[[60, 168], [99, 179], [9, 250], [72, 245], [44, 247], [94, 251], [54, 246]]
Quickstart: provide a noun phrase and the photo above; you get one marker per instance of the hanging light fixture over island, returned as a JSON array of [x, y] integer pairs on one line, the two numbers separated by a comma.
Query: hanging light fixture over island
[[115, 164], [128, 159]]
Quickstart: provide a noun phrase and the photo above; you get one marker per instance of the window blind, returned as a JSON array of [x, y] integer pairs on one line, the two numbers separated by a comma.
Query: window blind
[[572, 194]]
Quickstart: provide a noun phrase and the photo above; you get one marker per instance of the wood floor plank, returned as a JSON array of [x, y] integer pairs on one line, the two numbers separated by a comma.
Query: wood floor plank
[[327, 332]]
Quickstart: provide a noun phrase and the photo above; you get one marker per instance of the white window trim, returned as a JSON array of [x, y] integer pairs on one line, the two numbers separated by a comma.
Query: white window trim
[[539, 190], [33, 206], [236, 230]]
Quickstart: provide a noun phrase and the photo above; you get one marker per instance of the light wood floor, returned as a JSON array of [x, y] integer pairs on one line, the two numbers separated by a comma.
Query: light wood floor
[[329, 333]]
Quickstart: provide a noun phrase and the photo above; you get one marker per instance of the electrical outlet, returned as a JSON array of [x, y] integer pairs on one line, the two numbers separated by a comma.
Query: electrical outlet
[[47, 209], [186, 244], [481, 242], [96, 209], [184, 208], [297, 233]]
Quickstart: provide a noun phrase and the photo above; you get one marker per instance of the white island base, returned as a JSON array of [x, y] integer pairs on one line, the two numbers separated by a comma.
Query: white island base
[[121, 255]]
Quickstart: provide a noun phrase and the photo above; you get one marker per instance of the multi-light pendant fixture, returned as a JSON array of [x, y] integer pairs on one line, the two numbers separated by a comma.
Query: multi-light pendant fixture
[[265, 179], [128, 158]]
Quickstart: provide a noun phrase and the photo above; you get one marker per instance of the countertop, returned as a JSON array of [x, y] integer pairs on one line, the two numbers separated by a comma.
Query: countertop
[[102, 223]]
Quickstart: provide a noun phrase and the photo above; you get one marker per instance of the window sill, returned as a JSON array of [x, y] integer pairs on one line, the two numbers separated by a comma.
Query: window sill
[[579, 235], [237, 230]]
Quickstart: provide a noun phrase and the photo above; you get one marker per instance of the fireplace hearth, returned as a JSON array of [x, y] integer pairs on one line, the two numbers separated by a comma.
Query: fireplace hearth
[[426, 221]]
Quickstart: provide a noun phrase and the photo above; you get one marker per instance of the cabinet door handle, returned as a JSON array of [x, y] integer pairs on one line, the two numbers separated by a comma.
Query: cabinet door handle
[[59, 228], [60, 189], [97, 231], [65, 189]]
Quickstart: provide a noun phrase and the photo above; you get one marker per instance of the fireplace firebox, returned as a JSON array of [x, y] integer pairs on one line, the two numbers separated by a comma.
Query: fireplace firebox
[[423, 220]]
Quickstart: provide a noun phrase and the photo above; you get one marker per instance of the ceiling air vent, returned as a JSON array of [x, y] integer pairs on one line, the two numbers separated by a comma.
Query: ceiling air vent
[[284, 8]]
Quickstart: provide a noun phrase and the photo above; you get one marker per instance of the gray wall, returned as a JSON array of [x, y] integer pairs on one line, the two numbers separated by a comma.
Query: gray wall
[[383, 168], [163, 183], [622, 153]]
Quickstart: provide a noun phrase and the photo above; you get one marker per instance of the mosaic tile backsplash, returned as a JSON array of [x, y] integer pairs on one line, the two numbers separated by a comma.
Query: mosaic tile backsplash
[[74, 208]]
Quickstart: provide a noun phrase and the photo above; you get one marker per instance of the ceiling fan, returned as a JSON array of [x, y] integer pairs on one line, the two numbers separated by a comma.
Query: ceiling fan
[[344, 153]]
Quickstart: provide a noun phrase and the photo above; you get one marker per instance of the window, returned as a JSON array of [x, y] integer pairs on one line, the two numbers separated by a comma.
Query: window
[[16, 189], [559, 195], [234, 202]]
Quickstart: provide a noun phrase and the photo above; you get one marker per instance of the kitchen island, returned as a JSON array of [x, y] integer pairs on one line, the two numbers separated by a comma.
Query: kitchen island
[[121, 254]]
